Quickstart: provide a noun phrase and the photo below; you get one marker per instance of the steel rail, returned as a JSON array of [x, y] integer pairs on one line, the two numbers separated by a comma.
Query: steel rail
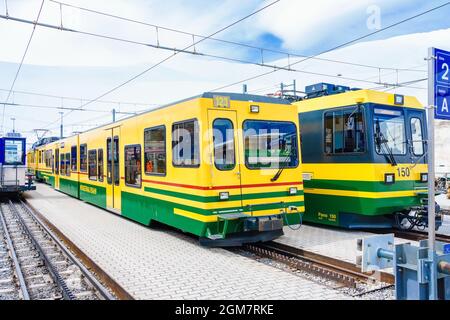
[[12, 251], [417, 235], [332, 268], [97, 285], [60, 282]]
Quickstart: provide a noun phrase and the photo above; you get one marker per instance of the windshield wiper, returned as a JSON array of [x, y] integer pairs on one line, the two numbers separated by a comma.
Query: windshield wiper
[[381, 140], [284, 165]]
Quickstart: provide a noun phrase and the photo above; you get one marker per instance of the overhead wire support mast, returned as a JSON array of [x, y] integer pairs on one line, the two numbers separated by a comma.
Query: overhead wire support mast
[[22, 60]]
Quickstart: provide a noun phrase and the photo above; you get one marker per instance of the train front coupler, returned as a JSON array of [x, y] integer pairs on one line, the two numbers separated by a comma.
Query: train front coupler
[[417, 217]]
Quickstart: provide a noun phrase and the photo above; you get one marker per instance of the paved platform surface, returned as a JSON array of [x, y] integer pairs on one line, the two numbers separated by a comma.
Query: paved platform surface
[[156, 264]]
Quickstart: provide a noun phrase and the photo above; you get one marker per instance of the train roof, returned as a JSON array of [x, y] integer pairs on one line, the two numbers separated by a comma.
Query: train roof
[[354, 97], [208, 95]]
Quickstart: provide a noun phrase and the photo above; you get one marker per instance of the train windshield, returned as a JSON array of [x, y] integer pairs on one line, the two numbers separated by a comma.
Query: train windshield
[[270, 144], [13, 151], [389, 128]]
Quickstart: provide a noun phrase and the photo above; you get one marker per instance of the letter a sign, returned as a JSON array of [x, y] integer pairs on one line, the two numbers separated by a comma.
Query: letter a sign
[[442, 84]]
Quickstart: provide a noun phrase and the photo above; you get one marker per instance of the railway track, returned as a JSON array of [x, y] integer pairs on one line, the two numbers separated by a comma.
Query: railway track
[[416, 235], [342, 273], [34, 264]]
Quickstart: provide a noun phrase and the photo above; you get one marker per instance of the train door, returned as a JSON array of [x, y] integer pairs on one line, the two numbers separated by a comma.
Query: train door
[[417, 126], [57, 168], [113, 190], [225, 165]]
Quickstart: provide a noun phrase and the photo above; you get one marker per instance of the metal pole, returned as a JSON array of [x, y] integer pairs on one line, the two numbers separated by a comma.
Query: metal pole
[[282, 88], [295, 91], [430, 145], [61, 127], [14, 124], [114, 115], [244, 88]]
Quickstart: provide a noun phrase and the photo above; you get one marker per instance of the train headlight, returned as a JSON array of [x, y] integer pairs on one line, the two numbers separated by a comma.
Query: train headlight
[[254, 109], [389, 178], [224, 195], [292, 191], [424, 177]]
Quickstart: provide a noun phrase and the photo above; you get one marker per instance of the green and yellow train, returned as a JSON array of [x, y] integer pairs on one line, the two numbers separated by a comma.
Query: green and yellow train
[[364, 158], [208, 165]]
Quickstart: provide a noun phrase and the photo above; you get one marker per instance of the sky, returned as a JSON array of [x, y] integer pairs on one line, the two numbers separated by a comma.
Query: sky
[[71, 64]]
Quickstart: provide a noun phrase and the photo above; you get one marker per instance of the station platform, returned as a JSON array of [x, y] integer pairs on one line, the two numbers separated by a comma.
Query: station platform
[[162, 264]]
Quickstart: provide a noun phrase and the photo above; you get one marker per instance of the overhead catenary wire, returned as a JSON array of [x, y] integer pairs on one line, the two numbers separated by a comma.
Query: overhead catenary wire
[[175, 53], [263, 49], [336, 47], [15, 92], [21, 61], [237, 60]]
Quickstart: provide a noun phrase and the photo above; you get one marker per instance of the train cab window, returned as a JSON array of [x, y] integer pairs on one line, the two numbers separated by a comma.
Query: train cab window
[[344, 131], [389, 129], [133, 167], [83, 158], [223, 137], [155, 150], [73, 159], [100, 165], [270, 144], [67, 164], [92, 163], [185, 144], [416, 135]]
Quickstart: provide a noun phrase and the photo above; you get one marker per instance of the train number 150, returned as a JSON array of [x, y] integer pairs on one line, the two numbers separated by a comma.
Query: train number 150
[[403, 172]]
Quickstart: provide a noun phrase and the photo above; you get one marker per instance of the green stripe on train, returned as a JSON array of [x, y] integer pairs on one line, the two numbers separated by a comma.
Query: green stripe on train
[[144, 209], [319, 206], [70, 187], [369, 186], [93, 194], [209, 199]]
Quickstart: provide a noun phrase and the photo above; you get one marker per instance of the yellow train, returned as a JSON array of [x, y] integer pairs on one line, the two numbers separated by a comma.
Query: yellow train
[[223, 166], [364, 156]]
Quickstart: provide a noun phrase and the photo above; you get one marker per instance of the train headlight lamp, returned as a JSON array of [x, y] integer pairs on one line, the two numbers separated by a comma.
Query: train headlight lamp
[[389, 178], [292, 191], [424, 177], [224, 195], [254, 109]]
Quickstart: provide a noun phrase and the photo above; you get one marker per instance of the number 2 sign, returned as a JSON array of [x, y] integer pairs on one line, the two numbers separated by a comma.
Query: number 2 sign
[[442, 84]]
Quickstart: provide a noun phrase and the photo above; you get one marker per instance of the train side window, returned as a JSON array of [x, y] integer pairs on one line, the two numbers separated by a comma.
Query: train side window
[[116, 161], [344, 131], [108, 161], [185, 144], [155, 150], [83, 158], [133, 167], [417, 138], [68, 164], [73, 164], [62, 170], [100, 165], [223, 137], [92, 163]]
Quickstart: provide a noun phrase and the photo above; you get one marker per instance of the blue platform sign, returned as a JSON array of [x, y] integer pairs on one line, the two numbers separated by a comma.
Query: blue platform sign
[[442, 84]]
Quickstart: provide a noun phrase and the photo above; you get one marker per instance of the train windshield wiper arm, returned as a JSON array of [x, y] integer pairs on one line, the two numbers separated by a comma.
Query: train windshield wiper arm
[[283, 165], [382, 141]]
